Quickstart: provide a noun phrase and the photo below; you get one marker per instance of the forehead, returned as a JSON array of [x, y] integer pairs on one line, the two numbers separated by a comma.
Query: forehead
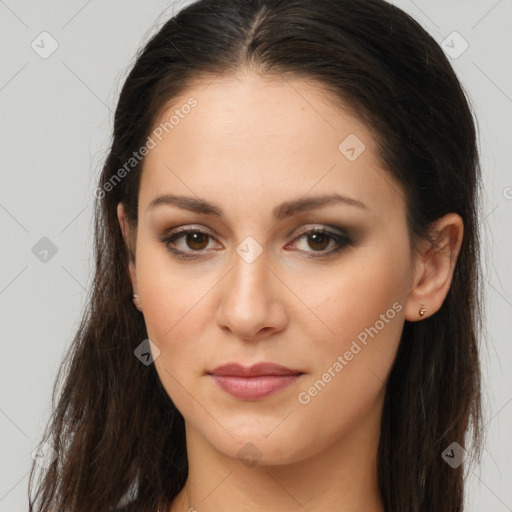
[[251, 109], [266, 138]]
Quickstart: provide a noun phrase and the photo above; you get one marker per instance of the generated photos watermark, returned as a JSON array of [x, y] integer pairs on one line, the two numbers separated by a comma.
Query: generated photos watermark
[[151, 143], [304, 397]]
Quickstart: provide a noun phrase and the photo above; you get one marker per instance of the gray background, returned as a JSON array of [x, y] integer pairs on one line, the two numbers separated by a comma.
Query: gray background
[[55, 128]]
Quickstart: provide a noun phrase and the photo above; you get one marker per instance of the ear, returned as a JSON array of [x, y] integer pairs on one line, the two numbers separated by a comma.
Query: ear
[[434, 266], [129, 238]]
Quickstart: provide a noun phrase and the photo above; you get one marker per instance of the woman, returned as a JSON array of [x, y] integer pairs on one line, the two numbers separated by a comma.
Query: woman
[[285, 312]]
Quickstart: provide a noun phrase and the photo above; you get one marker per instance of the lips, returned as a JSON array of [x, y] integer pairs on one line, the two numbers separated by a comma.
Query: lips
[[237, 370], [255, 382]]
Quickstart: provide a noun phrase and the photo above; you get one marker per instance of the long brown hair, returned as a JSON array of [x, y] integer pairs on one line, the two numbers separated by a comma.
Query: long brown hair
[[116, 433]]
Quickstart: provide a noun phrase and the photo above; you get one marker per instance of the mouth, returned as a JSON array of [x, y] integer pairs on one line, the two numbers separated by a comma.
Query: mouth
[[255, 382]]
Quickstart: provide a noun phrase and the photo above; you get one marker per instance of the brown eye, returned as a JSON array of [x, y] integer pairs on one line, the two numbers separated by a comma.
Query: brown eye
[[196, 240], [187, 243], [319, 241]]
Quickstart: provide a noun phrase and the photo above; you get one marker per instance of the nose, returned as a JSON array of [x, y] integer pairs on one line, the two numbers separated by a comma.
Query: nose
[[252, 305]]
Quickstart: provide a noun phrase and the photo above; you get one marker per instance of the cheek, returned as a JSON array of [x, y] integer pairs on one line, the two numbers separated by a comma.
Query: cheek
[[361, 307], [348, 300], [171, 300], [170, 293], [173, 309], [350, 363]]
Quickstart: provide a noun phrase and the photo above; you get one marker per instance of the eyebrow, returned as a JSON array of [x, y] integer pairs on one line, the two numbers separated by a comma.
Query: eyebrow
[[281, 211]]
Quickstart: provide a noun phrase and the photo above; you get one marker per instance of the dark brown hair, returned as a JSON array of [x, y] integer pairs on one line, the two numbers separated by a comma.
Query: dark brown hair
[[117, 434]]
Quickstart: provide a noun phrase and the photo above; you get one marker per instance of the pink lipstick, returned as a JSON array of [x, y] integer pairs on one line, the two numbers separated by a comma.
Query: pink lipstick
[[255, 382]]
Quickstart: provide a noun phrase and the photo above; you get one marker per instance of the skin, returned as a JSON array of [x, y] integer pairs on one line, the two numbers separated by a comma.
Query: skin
[[250, 144]]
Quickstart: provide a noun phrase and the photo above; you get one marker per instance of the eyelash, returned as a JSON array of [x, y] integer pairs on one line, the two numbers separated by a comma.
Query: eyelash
[[342, 241]]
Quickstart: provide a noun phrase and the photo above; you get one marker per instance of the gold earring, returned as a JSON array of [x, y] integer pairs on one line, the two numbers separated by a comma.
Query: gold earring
[[422, 310]]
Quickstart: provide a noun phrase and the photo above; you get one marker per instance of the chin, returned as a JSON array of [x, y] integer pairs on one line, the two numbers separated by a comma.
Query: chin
[[259, 448]]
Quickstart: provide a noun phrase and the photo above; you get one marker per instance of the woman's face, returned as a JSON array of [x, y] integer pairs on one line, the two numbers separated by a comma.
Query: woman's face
[[253, 286]]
